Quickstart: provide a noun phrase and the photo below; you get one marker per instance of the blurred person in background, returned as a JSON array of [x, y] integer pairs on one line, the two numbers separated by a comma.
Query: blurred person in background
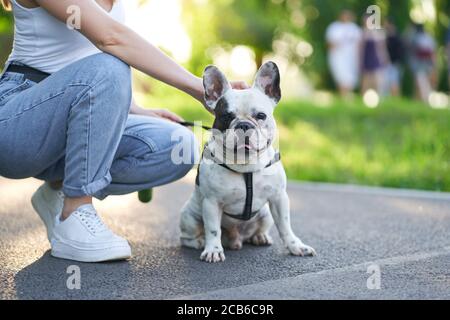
[[396, 51], [374, 58], [423, 62], [343, 37]]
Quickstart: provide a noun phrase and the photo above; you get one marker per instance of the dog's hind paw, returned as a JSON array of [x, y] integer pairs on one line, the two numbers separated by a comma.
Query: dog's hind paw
[[261, 239], [198, 243], [213, 255], [235, 245], [297, 248]]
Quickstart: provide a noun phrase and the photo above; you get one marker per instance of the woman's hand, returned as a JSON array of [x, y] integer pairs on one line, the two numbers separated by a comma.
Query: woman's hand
[[239, 85], [163, 114], [155, 113]]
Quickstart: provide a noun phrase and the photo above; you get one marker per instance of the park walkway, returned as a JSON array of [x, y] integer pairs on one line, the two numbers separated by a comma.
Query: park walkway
[[406, 234]]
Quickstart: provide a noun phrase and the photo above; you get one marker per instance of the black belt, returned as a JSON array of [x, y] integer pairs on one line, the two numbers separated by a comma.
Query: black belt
[[28, 72]]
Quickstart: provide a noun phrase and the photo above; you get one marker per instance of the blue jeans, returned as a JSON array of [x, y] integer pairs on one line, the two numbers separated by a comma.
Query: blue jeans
[[75, 126]]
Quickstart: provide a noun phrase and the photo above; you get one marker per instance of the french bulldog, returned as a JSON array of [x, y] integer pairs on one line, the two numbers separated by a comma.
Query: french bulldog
[[213, 217]]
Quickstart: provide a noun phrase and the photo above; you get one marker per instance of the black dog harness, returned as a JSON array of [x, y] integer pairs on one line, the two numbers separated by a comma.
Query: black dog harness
[[248, 178]]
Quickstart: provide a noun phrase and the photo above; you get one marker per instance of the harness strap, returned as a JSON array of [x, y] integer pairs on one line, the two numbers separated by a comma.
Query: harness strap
[[248, 213], [248, 177]]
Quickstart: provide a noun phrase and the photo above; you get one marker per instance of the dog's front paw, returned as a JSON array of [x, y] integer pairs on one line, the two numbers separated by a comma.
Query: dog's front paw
[[297, 248], [213, 254]]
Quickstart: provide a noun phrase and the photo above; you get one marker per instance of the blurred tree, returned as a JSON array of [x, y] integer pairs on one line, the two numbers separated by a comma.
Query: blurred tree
[[253, 23], [441, 28], [443, 20], [6, 33], [200, 22]]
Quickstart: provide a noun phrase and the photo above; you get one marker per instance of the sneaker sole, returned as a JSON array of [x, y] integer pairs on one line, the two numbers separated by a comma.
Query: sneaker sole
[[64, 251], [41, 207]]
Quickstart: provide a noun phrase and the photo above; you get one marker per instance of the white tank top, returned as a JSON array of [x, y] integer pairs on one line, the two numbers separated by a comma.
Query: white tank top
[[45, 43]]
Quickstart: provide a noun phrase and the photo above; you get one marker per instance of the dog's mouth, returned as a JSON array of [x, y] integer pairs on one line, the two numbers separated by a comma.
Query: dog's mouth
[[245, 142], [247, 146]]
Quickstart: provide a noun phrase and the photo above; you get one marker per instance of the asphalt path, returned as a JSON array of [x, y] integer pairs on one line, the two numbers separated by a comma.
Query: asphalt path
[[372, 243]]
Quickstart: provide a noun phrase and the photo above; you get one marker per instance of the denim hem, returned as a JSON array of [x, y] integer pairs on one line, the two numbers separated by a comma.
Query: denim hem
[[88, 190], [101, 194]]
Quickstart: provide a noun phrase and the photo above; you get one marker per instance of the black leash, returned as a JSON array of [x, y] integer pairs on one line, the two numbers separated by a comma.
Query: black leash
[[194, 125]]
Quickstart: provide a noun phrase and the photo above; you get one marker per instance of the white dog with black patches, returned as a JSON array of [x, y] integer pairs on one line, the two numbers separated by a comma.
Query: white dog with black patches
[[238, 201]]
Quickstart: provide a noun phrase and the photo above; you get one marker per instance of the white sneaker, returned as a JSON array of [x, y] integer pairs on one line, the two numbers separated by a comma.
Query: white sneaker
[[84, 237], [48, 203]]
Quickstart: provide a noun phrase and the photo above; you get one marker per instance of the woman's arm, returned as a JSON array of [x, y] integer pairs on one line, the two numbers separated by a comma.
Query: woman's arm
[[120, 41]]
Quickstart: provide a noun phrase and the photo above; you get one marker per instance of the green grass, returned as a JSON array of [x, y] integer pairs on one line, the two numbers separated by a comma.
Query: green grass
[[400, 144]]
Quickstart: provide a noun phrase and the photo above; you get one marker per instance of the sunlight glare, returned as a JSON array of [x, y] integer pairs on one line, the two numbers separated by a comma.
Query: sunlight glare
[[159, 21], [371, 99], [439, 100], [423, 11], [242, 61]]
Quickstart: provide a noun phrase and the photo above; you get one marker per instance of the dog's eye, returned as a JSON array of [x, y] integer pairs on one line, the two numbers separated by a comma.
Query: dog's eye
[[261, 116]]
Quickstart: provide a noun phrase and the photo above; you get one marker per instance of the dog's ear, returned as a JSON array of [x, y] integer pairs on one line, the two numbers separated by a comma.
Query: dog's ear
[[268, 81], [215, 84]]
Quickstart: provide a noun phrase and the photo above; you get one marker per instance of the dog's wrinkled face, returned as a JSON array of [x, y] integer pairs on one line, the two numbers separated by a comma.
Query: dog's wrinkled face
[[244, 118]]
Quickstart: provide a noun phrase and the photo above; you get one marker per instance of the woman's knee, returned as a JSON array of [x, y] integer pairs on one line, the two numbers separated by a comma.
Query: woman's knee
[[109, 76], [104, 66]]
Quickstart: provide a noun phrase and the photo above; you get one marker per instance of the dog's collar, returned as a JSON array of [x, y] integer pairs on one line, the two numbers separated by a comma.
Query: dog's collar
[[247, 214]]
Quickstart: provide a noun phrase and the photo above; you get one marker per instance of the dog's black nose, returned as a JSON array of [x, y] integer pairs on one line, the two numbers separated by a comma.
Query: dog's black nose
[[245, 126]]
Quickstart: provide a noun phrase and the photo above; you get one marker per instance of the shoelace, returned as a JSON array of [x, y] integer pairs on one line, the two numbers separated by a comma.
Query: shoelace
[[91, 220]]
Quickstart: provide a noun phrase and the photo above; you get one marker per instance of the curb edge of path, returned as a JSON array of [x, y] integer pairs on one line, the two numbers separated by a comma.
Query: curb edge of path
[[367, 190]]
